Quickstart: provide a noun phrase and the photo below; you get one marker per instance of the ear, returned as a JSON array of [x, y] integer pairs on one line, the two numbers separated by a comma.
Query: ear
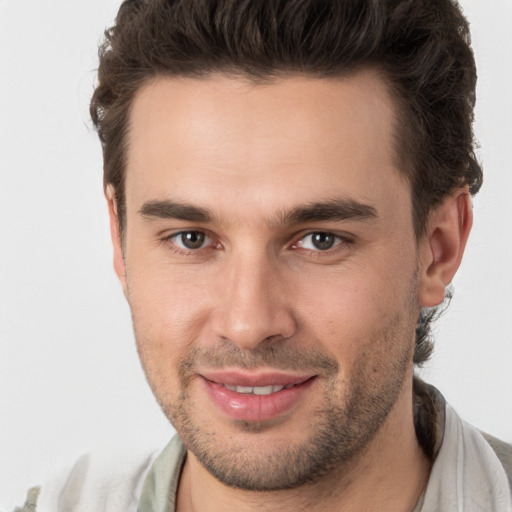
[[115, 233], [442, 248]]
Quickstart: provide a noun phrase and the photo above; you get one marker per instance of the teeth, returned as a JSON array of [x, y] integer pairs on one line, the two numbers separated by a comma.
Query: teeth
[[257, 390], [264, 390], [243, 389]]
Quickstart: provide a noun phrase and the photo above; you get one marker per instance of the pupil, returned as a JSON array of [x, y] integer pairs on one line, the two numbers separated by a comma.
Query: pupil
[[192, 239], [323, 241]]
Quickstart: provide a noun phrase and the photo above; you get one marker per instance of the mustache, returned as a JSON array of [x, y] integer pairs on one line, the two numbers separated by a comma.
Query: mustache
[[276, 355]]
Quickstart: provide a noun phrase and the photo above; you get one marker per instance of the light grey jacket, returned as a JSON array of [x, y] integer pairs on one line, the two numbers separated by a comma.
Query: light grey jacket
[[472, 472]]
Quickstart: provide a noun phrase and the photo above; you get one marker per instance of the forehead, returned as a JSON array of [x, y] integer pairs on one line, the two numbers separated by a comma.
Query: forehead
[[265, 146]]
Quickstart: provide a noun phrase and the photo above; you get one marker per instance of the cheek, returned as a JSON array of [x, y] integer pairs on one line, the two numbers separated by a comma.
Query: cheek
[[166, 323], [349, 309], [168, 309]]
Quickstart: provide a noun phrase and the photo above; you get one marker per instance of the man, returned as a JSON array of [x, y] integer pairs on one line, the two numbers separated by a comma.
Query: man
[[289, 193]]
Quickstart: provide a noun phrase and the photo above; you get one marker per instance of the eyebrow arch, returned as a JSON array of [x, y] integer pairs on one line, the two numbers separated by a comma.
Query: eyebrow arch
[[172, 210], [332, 210]]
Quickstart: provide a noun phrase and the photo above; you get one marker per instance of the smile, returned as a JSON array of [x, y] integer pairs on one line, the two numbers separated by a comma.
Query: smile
[[258, 390], [255, 397]]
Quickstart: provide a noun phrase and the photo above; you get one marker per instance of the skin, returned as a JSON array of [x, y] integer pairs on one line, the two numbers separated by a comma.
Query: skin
[[258, 294]]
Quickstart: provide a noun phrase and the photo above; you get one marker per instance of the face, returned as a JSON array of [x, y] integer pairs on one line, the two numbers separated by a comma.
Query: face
[[271, 268]]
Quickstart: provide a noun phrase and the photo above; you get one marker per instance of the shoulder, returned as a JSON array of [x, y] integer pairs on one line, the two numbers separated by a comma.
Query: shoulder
[[97, 481], [503, 451]]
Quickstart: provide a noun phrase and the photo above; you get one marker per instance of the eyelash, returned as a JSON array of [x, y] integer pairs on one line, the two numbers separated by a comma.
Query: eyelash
[[341, 242], [183, 251], [338, 240]]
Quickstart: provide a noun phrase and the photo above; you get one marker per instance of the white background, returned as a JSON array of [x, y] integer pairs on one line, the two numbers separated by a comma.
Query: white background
[[69, 375]]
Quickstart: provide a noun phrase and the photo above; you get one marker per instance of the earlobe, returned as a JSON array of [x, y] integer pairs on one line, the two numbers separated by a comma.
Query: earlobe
[[115, 233], [442, 248]]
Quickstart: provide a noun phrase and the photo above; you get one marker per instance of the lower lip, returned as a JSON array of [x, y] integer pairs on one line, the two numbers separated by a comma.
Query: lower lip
[[250, 407]]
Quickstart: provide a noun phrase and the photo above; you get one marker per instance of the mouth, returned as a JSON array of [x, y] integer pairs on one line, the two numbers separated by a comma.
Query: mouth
[[255, 397]]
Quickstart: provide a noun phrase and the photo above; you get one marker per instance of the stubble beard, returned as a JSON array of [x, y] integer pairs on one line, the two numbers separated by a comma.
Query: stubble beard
[[340, 430]]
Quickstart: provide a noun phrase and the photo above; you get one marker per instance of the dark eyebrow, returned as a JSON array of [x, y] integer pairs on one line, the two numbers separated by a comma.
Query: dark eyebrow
[[333, 210], [172, 210]]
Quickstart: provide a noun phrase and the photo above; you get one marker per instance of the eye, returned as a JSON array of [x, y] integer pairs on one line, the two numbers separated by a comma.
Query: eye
[[319, 241], [191, 240]]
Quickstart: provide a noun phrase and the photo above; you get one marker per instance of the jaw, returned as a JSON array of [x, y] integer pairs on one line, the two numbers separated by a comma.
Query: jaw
[[391, 468]]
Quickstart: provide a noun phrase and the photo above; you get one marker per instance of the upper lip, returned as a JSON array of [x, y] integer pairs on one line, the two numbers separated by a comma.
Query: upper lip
[[255, 379]]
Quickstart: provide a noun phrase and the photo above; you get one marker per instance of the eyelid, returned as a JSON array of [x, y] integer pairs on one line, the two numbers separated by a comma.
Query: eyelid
[[170, 238], [343, 239]]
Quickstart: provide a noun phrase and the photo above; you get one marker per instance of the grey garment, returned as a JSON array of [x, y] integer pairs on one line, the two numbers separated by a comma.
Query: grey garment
[[107, 481], [420, 503], [504, 452], [161, 484], [31, 502], [467, 475]]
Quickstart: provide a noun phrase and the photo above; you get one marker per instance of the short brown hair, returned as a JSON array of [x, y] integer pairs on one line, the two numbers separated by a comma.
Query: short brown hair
[[420, 47]]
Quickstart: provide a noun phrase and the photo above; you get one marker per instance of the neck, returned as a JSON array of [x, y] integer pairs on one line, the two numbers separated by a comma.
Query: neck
[[388, 476]]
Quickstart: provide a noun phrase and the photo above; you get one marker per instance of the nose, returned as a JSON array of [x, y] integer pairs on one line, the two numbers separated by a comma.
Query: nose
[[252, 306]]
